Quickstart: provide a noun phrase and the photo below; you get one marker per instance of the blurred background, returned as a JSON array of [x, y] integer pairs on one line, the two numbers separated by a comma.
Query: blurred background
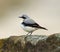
[[45, 12]]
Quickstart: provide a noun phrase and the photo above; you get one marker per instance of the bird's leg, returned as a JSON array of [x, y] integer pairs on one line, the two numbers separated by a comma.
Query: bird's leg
[[31, 32], [28, 33]]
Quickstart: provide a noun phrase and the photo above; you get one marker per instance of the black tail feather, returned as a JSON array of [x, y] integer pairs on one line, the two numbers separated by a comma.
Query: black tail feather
[[43, 28]]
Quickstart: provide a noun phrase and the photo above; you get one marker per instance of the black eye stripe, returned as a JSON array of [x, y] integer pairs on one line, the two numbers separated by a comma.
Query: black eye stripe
[[24, 17]]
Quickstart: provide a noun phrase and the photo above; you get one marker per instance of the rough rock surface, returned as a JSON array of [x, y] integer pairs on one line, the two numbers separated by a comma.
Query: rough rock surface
[[33, 43]]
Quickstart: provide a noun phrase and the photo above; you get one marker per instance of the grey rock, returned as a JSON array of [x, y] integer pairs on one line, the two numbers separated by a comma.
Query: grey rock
[[32, 43]]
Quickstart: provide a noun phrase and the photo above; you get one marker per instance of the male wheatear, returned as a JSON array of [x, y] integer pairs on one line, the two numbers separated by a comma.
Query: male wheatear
[[29, 25]]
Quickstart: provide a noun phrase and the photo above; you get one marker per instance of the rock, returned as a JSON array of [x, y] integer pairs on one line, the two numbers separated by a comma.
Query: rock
[[53, 41], [32, 43], [1, 43]]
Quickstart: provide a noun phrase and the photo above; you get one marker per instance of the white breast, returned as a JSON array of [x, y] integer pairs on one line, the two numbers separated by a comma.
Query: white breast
[[28, 29]]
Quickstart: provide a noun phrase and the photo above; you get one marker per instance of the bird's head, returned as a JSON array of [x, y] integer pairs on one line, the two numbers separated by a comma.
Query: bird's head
[[23, 16]]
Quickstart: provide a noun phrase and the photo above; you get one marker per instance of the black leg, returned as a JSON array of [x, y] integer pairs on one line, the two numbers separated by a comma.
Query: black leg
[[31, 33], [28, 33]]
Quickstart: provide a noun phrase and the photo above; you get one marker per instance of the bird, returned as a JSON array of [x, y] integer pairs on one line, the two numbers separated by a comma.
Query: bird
[[29, 25]]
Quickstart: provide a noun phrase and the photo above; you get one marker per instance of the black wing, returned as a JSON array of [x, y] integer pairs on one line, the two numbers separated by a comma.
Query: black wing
[[34, 25]]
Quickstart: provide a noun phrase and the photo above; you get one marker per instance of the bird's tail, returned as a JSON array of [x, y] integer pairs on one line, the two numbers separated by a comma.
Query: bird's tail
[[43, 28]]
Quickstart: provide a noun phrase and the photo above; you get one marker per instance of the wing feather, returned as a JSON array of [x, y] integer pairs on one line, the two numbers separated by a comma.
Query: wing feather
[[32, 23]]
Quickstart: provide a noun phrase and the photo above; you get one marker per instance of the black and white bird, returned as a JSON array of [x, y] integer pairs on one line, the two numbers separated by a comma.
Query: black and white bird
[[29, 25]]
